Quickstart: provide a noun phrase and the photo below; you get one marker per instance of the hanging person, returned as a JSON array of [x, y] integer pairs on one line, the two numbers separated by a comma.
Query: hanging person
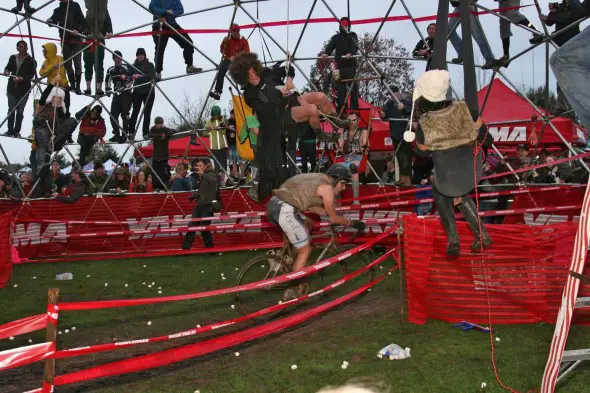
[[275, 109], [165, 14], [71, 44], [230, 46], [446, 129], [94, 56], [344, 45]]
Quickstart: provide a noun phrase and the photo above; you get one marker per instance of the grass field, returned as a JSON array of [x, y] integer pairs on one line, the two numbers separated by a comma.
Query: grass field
[[444, 359]]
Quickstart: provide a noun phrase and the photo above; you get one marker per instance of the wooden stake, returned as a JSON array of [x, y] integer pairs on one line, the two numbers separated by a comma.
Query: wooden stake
[[51, 336]]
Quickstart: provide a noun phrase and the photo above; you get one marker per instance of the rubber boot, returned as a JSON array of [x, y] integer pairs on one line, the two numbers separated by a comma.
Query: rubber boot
[[188, 241], [444, 205], [78, 89], [355, 191], [469, 211]]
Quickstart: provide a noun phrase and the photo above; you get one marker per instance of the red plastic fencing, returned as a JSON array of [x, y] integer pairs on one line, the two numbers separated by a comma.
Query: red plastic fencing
[[38, 240], [525, 269], [5, 249]]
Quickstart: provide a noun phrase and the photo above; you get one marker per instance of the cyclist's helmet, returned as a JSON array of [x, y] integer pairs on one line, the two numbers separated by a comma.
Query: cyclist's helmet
[[339, 172]]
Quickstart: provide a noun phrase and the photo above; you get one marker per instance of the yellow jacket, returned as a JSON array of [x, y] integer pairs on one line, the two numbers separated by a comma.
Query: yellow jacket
[[51, 60]]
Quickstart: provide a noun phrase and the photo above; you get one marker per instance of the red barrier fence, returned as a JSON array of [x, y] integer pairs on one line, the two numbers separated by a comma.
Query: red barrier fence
[[526, 270], [151, 224], [5, 249]]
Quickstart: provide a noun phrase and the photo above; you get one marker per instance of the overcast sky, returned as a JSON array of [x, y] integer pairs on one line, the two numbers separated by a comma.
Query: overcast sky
[[126, 15]]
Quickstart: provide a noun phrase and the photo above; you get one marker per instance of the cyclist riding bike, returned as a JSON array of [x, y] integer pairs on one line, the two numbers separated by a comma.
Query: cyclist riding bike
[[308, 192]]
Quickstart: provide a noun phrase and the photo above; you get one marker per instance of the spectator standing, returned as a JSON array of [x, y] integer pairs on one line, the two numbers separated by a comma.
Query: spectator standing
[[206, 198], [513, 15], [52, 67], [23, 4], [97, 14], [424, 48], [216, 131], [94, 56], [308, 150], [160, 136], [98, 177], [397, 111], [194, 176], [476, 32], [231, 135], [143, 94], [344, 44], [181, 182], [230, 46], [20, 70], [80, 187], [120, 76], [166, 11], [71, 44]]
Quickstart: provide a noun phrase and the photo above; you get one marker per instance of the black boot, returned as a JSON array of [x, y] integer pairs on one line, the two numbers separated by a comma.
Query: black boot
[[469, 211], [444, 205], [188, 241], [77, 88]]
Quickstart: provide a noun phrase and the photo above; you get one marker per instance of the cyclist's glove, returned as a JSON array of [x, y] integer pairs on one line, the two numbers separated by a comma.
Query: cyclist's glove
[[358, 225]]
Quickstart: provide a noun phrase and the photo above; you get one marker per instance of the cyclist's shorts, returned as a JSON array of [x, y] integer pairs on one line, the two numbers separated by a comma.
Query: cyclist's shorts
[[290, 221]]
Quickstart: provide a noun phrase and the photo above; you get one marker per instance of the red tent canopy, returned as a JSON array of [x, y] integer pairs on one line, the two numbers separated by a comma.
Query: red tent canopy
[[177, 148], [509, 118]]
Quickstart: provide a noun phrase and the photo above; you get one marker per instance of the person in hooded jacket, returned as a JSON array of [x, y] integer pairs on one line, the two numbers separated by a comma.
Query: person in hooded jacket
[[72, 46], [21, 69], [344, 44], [92, 128], [143, 94], [165, 14], [53, 67]]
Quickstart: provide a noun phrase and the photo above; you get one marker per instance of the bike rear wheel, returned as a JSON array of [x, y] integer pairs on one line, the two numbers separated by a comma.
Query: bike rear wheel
[[261, 268]]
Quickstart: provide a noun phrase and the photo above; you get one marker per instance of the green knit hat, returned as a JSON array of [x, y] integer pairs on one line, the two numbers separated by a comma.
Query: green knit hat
[[215, 111]]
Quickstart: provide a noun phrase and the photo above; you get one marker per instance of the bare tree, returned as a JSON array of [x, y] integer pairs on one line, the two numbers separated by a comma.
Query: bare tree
[[397, 72], [188, 118]]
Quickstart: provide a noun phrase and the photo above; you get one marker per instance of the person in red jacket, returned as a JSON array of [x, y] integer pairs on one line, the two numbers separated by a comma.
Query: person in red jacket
[[230, 46], [92, 128]]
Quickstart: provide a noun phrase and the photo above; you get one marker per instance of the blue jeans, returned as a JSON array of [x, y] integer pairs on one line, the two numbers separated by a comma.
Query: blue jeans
[[571, 66], [476, 32]]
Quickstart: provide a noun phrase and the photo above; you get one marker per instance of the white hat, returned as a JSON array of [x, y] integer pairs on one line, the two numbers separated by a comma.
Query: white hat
[[56, 92], [433, 86]]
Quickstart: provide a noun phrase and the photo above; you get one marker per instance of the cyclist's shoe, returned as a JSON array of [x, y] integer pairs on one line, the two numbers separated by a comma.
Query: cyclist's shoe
[[290, 294]]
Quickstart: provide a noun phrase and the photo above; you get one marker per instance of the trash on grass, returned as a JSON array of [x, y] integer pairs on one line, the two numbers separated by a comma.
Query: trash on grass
[[394, 352]]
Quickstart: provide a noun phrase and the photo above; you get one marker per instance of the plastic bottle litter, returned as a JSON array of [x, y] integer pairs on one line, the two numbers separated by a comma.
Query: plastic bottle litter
[[394, 352], [64, 277]]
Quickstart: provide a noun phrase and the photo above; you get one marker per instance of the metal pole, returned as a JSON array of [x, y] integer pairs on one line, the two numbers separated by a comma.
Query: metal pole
[[304, 28]]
